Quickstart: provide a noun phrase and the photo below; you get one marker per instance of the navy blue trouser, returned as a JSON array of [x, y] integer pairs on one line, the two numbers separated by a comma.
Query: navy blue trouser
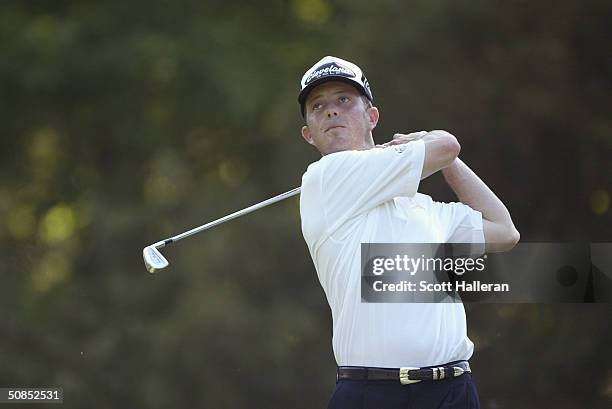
[[454, 393]]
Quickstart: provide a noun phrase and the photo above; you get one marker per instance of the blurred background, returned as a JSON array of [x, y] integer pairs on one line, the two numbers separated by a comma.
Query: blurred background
[[126, 122]]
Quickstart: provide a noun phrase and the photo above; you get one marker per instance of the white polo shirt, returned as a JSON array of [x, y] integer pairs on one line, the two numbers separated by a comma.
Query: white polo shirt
[[355, 197]]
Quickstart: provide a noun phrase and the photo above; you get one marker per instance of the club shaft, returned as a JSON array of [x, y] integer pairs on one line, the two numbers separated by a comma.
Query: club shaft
[[224, 219]]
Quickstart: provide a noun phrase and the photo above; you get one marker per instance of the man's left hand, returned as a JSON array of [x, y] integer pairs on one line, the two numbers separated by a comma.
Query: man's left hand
[[399, 138]]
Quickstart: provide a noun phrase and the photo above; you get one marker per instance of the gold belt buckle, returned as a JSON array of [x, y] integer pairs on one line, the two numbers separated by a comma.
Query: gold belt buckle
[[405, 378]]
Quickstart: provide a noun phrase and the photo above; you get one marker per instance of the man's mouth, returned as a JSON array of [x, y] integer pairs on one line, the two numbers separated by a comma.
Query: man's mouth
[[332, 127]]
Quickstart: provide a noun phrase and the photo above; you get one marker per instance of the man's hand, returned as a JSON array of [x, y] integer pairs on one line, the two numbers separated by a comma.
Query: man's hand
[[399, 138], [441, 148]]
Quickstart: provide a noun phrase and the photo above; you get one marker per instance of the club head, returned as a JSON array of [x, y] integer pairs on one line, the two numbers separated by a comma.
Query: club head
[[153, 259]]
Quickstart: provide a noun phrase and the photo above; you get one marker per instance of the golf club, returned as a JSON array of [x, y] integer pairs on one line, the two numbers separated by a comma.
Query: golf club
[[154, 260]]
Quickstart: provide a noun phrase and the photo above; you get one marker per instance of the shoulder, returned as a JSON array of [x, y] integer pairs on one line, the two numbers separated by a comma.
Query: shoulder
[[332, 162], [427, 203], [419, 200], [423, 200]]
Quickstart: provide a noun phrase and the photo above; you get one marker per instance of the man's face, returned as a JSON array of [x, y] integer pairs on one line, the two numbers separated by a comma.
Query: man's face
[[338, 118]]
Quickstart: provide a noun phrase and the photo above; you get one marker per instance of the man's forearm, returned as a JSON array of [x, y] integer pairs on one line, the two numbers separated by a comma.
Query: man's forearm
[[472, 191]]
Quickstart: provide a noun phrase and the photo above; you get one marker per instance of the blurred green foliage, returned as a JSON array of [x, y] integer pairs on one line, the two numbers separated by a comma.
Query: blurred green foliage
[[127, 122]]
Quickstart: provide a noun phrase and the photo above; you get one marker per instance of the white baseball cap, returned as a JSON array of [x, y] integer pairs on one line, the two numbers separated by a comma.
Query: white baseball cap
[[333, 69]]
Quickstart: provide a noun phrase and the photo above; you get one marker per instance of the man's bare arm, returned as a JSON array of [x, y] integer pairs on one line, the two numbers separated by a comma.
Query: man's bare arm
[[499, 231]]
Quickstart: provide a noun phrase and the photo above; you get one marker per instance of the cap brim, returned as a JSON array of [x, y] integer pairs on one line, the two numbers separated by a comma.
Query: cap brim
[[306, 91]]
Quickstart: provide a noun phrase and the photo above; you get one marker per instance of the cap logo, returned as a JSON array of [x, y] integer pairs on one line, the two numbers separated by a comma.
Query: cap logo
[[331, 68], [366, 84]]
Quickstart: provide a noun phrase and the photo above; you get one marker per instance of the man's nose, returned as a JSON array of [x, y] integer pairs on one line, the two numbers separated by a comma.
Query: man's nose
[[331, 113]]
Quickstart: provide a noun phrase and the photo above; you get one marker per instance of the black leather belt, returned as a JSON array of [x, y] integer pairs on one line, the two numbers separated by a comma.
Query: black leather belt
[[405, 375]]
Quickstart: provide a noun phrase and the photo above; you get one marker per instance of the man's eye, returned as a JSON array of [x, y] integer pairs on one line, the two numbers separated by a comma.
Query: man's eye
[[344, 99], [316, 107]]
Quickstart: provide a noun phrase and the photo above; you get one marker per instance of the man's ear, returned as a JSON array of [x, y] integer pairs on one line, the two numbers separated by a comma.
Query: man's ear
[[306, 135], [373, 116]]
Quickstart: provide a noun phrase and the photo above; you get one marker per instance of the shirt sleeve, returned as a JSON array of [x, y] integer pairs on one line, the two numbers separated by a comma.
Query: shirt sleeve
[[354, 182], [461, 224]]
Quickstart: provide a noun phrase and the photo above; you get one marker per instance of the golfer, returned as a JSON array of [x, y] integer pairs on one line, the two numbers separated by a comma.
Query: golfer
[[359, 192]]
